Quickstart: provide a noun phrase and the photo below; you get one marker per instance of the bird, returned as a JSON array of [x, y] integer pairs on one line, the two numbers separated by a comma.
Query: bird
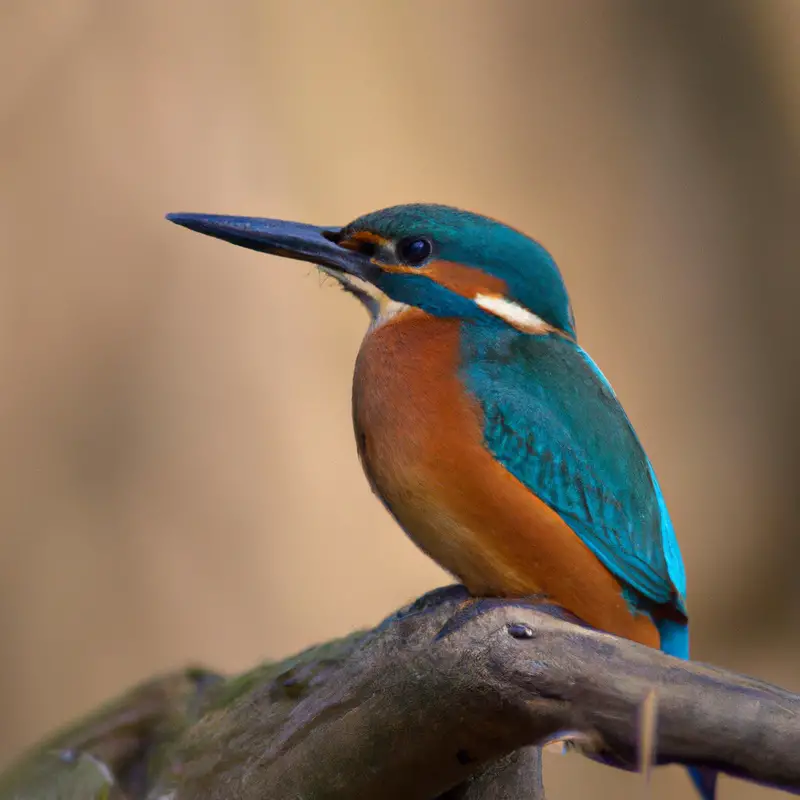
[[487, 431]]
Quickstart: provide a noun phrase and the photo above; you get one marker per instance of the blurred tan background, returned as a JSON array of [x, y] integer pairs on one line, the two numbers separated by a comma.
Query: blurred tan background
[[178, 480]]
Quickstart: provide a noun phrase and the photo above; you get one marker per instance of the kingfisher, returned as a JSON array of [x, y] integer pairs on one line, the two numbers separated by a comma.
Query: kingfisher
[[486, 430]]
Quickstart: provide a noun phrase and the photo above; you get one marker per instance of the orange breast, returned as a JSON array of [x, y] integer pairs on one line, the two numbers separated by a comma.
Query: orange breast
[[420, 440]]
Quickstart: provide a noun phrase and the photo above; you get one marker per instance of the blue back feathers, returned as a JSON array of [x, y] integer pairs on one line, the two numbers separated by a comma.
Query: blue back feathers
[[554, 423]]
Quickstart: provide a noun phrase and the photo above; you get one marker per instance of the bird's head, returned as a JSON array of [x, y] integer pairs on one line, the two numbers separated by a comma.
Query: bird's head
[[448, 262]]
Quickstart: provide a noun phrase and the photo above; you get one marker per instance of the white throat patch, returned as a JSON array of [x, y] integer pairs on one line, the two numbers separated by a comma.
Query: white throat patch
[[512, 313], [381, 308], [388, 310]]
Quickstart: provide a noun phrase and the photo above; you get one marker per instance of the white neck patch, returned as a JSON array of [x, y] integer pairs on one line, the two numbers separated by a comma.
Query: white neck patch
[[389, 309], [512, 313]]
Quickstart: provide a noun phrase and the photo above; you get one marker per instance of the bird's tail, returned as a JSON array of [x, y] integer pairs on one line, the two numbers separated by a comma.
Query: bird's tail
[[675, 642], [705, 781], [674, 638]]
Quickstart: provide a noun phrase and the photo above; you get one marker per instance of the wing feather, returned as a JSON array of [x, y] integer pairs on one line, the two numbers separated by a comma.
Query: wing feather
[[552, 419]]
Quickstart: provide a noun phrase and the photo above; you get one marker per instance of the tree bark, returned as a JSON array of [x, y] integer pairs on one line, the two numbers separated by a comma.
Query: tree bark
[[447, 698]]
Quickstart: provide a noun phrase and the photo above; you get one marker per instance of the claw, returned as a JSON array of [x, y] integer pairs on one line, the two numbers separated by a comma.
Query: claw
[[474, 607]]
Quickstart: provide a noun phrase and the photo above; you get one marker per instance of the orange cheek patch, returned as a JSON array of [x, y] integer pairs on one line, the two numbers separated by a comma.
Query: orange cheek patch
[[463, 280], [458, 278], [355, 241]]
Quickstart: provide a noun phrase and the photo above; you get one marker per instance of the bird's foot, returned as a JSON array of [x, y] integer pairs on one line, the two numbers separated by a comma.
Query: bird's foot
[[562, 742], [473, 607]]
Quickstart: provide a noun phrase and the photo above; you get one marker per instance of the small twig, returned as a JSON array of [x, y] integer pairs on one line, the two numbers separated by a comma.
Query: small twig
[[648, 719]]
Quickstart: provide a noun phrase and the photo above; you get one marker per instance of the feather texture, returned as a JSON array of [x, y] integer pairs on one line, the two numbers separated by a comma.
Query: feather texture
[[552, 419]]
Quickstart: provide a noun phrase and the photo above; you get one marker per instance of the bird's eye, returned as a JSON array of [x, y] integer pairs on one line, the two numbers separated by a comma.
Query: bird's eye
[[414, 250]]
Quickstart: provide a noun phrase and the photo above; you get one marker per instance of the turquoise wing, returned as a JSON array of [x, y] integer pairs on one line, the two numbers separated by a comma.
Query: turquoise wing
[[552, 419]]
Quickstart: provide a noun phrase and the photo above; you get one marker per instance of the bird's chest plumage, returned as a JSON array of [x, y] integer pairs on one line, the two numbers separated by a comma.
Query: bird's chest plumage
[[404, 377], [420, 437], [413, 423]]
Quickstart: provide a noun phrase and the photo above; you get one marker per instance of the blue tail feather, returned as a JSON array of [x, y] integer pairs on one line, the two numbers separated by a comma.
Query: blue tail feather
[[705, 781], [675, 642], [674, 638]]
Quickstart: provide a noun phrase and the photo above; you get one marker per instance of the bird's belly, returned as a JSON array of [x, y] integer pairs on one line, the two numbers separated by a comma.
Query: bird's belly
[[420, 439], [406, 430]]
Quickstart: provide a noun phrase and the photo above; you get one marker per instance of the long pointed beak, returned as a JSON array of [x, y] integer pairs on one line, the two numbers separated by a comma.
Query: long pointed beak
[[280, 238]]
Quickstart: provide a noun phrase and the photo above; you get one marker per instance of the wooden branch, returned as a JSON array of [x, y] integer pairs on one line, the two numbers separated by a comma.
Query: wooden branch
[[432, 696], [438, 702], [517, 776]]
